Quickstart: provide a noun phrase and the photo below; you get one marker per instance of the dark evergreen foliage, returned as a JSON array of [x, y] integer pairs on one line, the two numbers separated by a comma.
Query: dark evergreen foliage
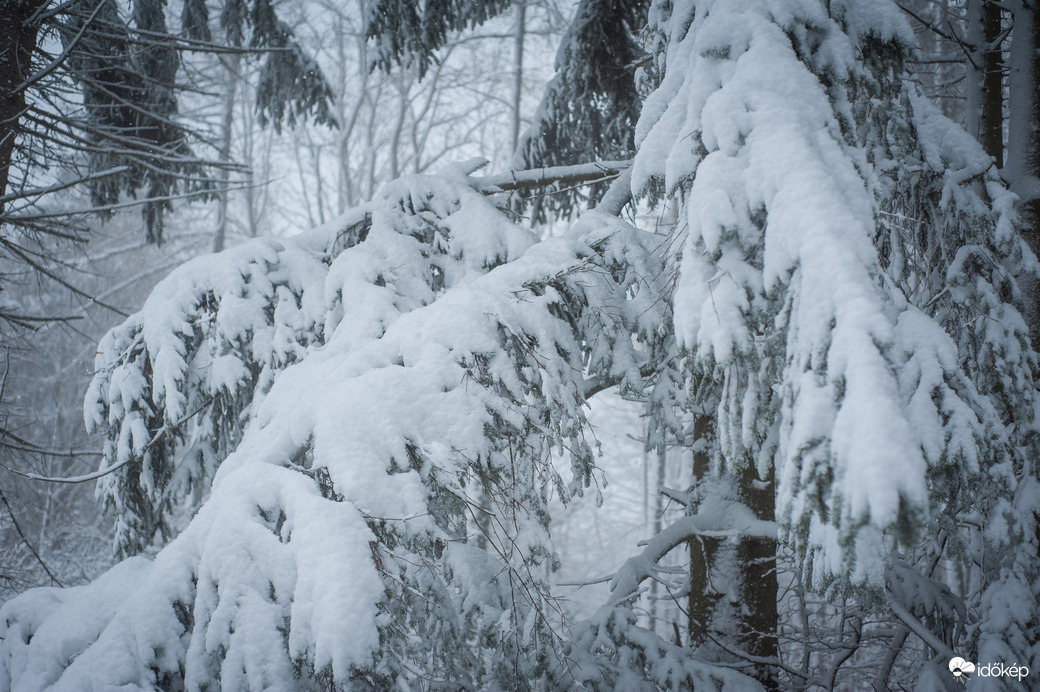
[[408, 33], [124, 135], [291, 86], [195, 20], [128, 84], [589, 109]]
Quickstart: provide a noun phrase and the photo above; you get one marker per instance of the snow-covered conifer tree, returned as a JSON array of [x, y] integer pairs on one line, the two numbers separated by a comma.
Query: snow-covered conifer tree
[[847, 305]]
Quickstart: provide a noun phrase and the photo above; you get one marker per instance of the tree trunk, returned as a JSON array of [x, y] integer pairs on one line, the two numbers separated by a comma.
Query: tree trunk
[[518, 71], [759, 586], [17, 43], [231, 65], [1023, 158], [703, 596], [992, 124], [973, 70], [655, 529], [717, 568], [395, 137]]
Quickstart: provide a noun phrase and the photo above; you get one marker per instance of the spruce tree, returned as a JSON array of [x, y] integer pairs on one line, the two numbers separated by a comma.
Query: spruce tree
[[848, 312]]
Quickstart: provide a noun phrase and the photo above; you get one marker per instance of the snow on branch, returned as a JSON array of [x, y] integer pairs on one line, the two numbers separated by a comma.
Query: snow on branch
[[717, 519], [563, 176], [385, 406]]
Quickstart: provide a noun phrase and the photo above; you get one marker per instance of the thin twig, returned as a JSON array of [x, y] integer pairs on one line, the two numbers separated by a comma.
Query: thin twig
[[111, 469], [60, 59], [25, 540]]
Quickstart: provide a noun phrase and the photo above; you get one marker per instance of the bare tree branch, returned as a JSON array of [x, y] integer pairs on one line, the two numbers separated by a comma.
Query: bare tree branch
[[585, 173], [25, 540]]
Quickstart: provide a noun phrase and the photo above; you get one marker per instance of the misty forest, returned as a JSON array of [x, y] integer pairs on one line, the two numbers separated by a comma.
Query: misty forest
[[519, 345]]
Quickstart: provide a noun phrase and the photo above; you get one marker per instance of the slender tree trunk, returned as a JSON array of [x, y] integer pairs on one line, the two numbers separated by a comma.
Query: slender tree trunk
[[250, 191], [973, 69], [395, 137], [655, 528], [518, 70], [17, 43], [304, 187], [231, 64], [347, 196], [370, 145], [315, 154], [253, 218]]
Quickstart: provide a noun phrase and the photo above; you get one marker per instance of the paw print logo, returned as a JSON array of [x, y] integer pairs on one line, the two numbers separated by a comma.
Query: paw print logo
[[960, 668]]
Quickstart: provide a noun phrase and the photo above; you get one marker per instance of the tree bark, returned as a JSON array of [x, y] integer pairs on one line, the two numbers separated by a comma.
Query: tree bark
[[973, 70], [1022, 170], [759, 586], [992, 124], [655, 528], [17, 43], [750, 624], [703, 596]]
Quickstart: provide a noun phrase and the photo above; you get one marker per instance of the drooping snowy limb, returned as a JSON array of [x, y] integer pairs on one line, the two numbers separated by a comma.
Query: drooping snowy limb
[[963, 262], [611, 651], [384, 516], [215, 333], [211, 338], [849, 297], [908, 591], [208, 337]]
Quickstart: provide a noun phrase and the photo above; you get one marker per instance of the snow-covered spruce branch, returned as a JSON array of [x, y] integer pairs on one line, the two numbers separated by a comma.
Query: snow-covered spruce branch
[[917, 627], [436, 389], [228, 358]]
